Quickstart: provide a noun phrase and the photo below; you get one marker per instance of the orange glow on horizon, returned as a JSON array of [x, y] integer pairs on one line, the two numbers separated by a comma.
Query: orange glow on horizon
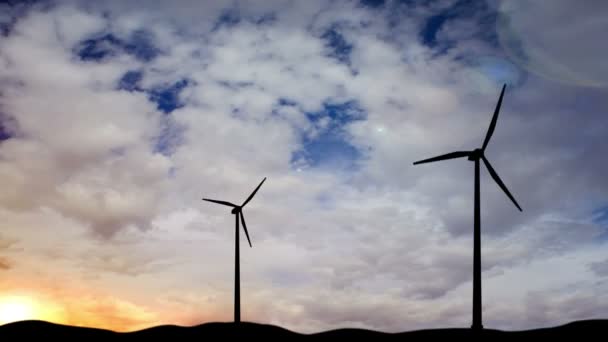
[[14, 308], [86, 307], [84, 312]]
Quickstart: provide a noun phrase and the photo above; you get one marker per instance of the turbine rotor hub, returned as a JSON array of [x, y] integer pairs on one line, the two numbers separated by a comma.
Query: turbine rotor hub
[[475, 154], [235, 210]]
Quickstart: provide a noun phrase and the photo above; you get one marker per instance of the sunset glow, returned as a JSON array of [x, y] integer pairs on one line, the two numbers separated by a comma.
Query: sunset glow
[[80, 309], [13, 309]]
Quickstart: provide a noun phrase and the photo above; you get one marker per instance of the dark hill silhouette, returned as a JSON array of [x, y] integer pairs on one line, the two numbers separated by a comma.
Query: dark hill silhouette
[[211, 331]]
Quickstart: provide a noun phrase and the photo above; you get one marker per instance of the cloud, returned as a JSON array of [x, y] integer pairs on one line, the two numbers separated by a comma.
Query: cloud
[[65, 156], [113, 313], [600, 268], [5, 264], [121, 118], [547, 308], [542, 51]]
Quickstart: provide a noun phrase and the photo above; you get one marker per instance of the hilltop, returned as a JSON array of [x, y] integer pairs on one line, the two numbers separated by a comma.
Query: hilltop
[[37, 329]]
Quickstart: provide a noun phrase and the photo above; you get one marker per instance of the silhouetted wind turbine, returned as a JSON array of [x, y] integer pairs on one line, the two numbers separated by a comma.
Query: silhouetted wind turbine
[[475, 156], [237, 210]]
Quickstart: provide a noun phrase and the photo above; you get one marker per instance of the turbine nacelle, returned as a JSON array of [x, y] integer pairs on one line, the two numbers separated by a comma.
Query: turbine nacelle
[[238, 209], [476, 154]]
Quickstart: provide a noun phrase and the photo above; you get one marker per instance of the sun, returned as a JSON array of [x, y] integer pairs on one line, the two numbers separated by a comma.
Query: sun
[[16, 308]]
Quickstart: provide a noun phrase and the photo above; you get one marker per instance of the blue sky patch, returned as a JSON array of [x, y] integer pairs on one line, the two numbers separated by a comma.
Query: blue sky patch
[[266, 19], [5, 28], [339, 113], [460, 10], [5, 131], [169, 138], [130, 81], [4, 134], [14, 10], [286, 102], [139, 45], [330, 147], [231, 17], [372, 3], [95, 49], [228, 18], [167, 98], [327, 151], [431, 27], [600, 216], [339, 48]]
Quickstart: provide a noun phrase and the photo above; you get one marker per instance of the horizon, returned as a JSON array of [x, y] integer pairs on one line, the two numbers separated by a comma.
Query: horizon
[[116, 120], [226, 328]]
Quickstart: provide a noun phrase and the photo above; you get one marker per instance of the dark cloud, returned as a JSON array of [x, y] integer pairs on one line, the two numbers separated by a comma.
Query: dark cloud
[[600, 268], [5, 264]]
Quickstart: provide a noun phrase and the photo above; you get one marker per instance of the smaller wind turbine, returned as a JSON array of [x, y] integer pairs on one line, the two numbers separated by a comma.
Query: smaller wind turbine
[[475, 156], [237, 210]]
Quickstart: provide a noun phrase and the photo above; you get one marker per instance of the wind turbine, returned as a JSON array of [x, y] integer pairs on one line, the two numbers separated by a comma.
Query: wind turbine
[[476, 155], [237, 210]]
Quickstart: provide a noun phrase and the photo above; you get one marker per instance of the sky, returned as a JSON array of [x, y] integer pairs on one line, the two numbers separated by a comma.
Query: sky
[[118, 117]]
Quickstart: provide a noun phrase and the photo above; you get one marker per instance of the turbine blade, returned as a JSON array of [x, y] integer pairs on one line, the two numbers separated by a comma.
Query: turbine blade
[[245, 228], [494, 119], [253, 193], [452, 155], [499, 181], [220, 202]]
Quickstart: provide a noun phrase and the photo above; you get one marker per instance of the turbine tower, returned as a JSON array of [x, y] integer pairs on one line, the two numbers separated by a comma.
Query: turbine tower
[[475, 156], [237, 210]]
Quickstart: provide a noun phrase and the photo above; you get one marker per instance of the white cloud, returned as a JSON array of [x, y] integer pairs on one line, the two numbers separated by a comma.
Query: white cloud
[[386, 246]]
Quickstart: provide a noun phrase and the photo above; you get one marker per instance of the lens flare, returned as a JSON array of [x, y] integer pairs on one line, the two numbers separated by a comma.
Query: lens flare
[[560, 42], [486, 73]]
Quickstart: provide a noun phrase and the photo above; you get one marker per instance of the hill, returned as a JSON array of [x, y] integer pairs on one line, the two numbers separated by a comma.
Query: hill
[[211, 331]]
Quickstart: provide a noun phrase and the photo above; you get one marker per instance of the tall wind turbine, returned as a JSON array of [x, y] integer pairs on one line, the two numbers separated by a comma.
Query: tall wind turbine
[[475, 156], [237, 210]]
